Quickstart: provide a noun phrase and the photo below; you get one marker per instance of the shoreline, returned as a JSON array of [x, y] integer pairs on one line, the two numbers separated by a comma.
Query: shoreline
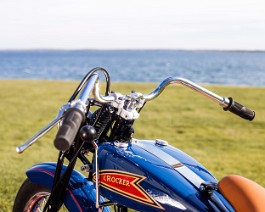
[[127, 82]]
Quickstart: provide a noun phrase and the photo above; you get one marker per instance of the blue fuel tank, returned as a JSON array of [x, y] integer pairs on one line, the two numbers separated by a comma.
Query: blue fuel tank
[[150, 175]]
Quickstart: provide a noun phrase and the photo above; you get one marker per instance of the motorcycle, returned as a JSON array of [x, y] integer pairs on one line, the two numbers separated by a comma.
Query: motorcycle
[[124, 172]]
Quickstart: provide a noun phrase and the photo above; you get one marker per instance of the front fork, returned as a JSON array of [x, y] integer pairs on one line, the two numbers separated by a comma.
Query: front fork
[[61, 181], [60, 184]]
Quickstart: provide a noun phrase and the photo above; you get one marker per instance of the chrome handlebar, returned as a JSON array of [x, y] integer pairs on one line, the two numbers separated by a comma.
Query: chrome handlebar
[[92, 86], [223, 101]]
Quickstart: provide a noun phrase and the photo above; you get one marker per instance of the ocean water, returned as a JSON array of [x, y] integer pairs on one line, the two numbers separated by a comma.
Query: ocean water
[[214, 67]]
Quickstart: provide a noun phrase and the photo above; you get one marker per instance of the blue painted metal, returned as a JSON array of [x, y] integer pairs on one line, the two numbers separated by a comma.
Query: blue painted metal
[[81, 194], [161, 179]]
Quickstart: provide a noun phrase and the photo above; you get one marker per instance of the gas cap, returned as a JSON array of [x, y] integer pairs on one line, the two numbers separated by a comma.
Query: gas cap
[[161, 142]]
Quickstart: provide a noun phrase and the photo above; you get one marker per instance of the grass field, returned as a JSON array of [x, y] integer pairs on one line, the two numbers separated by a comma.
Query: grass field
[[224, 143]]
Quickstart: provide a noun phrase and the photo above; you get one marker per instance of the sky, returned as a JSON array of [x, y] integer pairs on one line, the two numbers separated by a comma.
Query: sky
[[134, 24]]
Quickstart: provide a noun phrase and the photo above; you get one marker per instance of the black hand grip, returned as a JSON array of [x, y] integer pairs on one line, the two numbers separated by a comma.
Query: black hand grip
[[240, 110], [67, 132]]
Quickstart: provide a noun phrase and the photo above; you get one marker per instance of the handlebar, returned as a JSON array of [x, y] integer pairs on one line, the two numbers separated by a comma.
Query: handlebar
[[223, 101], [226, 103], [74, 111], [177, 80]]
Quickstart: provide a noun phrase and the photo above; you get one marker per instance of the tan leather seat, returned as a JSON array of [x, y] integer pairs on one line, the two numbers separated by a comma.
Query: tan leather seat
[[243, 194]]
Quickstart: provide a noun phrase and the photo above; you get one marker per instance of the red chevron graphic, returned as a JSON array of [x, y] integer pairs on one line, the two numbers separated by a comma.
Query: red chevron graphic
[[126, 184]]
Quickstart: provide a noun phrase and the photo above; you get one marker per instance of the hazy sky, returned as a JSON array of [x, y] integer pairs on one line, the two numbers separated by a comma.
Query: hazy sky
[[134, 24]]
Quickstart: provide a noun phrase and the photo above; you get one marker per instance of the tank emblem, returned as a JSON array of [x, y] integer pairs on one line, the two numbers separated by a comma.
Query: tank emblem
[[126, 184]]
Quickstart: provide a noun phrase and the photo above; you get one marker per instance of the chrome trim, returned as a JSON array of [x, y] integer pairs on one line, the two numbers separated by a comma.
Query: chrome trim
[[88, 88], [78, 104], [37, 202], [161, 142], [165, 199], [100, 98], [43, 131], [97, 174], [121, 144], [223, 101]]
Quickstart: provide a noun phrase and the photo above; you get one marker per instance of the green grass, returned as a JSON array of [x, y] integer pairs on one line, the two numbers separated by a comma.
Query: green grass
[[222, 142]]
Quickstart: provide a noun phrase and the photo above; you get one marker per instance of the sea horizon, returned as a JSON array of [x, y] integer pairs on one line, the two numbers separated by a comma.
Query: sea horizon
[[129, 49], [226, 67]]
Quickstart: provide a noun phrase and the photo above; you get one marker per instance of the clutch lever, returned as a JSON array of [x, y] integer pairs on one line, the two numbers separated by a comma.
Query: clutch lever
[[42, 132], [20, 149]]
